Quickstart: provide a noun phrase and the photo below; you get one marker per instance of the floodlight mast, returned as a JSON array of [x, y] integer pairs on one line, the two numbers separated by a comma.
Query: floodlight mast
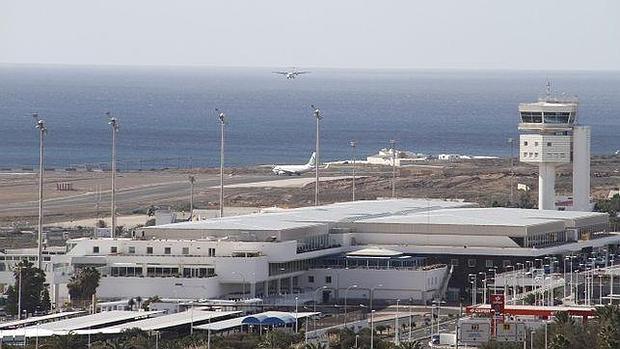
[[393, 147], [40, 124], [192, 181], [115, 127], [318, 116], [222, 117], [353, 145]]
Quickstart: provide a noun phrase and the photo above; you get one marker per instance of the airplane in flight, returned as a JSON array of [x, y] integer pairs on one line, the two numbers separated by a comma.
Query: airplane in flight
[[295, 169], [291, 74]]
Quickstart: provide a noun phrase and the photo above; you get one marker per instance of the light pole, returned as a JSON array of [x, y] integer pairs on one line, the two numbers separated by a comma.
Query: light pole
[[393, 147], [372, 328], [396, 324], [353, 144], [346, 293], [410, 317], [19, 296], [474, 290], [318, 117], [40, 124], [314, 298], [192, 180], [511, 142], [115, 127], [222, 118], [372, 295], [296, 315]]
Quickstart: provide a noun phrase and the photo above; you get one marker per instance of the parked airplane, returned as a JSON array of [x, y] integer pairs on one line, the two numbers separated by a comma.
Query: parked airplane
[[295, 169], [292, 74]]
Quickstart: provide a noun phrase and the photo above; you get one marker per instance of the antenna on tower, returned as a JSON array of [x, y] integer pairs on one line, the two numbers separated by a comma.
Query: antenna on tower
[[548, 89]]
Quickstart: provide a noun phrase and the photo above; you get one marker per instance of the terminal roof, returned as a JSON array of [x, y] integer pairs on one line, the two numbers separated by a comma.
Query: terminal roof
[[318, 215]]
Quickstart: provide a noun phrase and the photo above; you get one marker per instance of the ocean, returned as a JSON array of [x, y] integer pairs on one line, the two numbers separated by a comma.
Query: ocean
[[167, 114]]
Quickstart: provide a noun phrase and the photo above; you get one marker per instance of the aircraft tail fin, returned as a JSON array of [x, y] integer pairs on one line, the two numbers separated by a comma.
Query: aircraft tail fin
[[312, 160]]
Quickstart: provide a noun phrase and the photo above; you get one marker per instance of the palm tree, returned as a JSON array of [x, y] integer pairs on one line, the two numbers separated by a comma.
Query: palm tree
[[559, 341], [315, 346], [409, 345], [562, 318]]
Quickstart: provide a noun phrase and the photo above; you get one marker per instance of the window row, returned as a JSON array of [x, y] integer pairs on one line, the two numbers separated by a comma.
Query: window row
[[151, 250]]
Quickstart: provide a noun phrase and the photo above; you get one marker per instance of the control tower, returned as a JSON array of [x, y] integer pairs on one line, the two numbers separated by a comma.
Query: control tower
[[550, 136]]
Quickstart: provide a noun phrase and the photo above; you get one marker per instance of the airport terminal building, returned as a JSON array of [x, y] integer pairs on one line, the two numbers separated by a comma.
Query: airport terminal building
[[399, 248]]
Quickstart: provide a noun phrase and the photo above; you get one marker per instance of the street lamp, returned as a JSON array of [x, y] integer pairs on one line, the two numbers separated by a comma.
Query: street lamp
[[318, 117], [346, 293], [40, 124], [474, 291], [115, 127], [396, 324], [372, 294], [296, 315], [222, 117], [393, 147], [372, 328], [314, 298], [192, 180], [353, 144]]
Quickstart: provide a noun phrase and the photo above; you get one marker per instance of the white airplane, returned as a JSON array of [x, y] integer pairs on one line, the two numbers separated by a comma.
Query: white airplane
[[295, 169], [292, 74]]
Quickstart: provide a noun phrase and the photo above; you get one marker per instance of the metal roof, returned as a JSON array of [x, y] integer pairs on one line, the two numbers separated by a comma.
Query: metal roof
[[33, 320], [96, 320], [495, 216], [317, 215], [236, 322], [197, 315]]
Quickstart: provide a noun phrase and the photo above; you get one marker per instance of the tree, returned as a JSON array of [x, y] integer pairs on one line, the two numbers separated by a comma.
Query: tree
[[277, 339], [32, 289], [146, 303], [70, 340], [559, 341], [100, 224], [409, 345], [315, 346], [83, 284]]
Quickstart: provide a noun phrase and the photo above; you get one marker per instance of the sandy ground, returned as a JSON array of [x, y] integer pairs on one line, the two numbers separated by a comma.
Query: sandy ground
[[128, 221], [483, 181]]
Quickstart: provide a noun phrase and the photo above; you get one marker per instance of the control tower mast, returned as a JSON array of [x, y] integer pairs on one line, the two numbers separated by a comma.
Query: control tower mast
[[551, 137]]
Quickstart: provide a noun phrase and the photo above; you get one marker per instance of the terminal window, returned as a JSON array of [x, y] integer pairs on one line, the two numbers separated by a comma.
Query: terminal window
[[311, 279], [471, 263], [167, 250], [95, 249], [185, 250], [149, 250], [328, 279], [132, 249], [211, 252], [489, 263], [113, 249], [454, 262]]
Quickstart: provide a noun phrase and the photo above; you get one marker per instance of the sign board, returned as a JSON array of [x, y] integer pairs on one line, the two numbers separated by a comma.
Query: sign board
[[510, 332], [474, 331], [317, 337], [497, 303]]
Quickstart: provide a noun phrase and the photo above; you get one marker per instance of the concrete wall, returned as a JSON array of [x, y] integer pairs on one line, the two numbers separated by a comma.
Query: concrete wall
[[397, 284]]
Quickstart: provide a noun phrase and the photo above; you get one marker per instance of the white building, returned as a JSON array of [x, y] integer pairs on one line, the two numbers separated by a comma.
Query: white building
[[402, 248]]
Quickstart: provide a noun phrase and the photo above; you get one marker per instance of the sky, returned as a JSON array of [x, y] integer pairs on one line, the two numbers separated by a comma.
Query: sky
[[431, 34]]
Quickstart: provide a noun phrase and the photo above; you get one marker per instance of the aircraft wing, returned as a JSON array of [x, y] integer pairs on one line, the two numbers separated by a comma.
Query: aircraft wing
[[301, 72], [280, 72]]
